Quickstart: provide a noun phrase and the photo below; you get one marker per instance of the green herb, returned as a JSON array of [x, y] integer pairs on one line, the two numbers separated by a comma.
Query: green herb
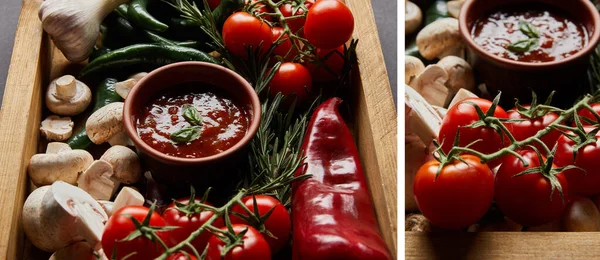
[[191, 114], [528, 29], [523, 45], [186, 134]]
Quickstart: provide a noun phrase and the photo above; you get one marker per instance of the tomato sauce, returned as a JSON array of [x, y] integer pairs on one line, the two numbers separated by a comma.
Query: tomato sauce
[[558, 36], [224, 123]]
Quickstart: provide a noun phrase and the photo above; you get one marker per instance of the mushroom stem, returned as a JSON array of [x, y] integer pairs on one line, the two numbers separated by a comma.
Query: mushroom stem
[[66, 87]]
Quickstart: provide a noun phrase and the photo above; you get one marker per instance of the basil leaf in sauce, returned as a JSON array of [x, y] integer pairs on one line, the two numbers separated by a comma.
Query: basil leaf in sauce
[[528, 29], [523, 45], [191, 114], [186, 134]]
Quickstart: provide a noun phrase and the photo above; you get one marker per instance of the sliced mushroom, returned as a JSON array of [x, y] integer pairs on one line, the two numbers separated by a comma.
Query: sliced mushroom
[[96, 180], [57, 147], [454, 7], [57, 128], [67, 96], [460, 75], [461, 95], [122, 88], [138, 76], [78, 251], [120, 139], [413, 66], [127, 197], [413, 18], [440, 39], [105, 123], [45, 169], [61, 214], [125, 163], [430, 84], [107, 206]]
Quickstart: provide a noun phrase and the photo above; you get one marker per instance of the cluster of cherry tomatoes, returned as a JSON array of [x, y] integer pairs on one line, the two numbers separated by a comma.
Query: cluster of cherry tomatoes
[[462, 192], [261, 240], [328, 26]]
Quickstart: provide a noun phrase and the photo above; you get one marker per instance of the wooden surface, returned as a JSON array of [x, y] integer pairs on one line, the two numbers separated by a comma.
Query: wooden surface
[[19, 119], [376, 120], [502, 245]]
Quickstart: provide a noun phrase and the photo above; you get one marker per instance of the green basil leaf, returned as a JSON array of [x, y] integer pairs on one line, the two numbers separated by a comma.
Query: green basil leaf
[[523, 45], [186, 134], [191, 114], [528, 29]]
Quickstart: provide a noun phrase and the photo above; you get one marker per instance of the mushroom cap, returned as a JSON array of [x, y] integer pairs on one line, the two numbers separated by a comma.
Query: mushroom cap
[[122, 88], [440, 39], [460, 73], [430, 84], [125, 162], [96, 180], [413, 18], [105, 123], [128, 197], [120, 139], [45, 169], [454, 7], [413, 66], [57, 147], [67, 96], [57, 128]]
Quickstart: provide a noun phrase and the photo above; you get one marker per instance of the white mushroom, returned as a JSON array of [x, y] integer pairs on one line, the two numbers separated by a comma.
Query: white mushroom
[[127, 197], [57, 147], [74, 25], [413, 66], [45, 169], [413, 18], [79, 251], [57, 128], [454, 7], [97, 181], [430, 84], [138, 76], [67, 96], [59, 215], [122, 88], [125, 163], [460, 73], [461, 95], [440, 39], [107, 206], [105, 123], [120, 139]]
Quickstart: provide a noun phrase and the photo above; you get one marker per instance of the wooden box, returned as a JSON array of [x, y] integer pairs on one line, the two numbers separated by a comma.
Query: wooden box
[[35, 61]]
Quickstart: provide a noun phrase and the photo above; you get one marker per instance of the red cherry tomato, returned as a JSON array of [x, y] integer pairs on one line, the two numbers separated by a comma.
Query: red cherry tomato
[[188, 224], [181, 256], [581, 182], [459, 196], [528, 128], [463, 114], [213, 4], [335, 62], [292, 78], [295, 24], [528, 199], [285, 46], [278, 223], [241, 30], [254, 246], [120, 225], [329, 24], [261, 9], [587, 114]]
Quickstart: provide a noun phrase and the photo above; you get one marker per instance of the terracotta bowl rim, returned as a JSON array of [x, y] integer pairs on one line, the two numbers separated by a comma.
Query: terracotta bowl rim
[[131, 129], [594, 38]]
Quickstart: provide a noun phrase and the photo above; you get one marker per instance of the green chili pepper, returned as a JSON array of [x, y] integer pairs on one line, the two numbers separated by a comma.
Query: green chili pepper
[[144, 54], [224, 10], [105, 94], [98, 52], [138, 14], [122, 10], [155, 38]]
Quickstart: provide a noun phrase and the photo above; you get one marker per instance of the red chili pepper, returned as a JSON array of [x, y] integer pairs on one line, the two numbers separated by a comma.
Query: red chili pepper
[[333, 216]]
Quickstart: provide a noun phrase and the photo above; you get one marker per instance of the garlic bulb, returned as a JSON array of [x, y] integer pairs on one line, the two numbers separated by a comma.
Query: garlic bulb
[[74, 25]]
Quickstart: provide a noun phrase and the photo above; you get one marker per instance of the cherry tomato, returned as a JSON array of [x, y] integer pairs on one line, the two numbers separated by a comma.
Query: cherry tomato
[[335, 62], [459, 196], [581, 182], [213, 4], [120, 225], [463, 114], [181, 256], [254, 246], [329, 24], [528, 199], [260, 9], [188, 224], [292, 78], [241, 30], [278, 223], [295, 24], [285, 46], [587, 114], [528, 128]]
